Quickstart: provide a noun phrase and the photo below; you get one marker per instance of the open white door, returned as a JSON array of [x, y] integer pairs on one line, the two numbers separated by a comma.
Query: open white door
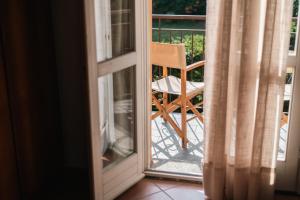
[[289, 142], [116, 32]]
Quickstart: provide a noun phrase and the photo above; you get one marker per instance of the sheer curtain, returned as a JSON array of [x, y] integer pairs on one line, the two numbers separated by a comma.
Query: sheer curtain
[[246, 50], [105, 83]]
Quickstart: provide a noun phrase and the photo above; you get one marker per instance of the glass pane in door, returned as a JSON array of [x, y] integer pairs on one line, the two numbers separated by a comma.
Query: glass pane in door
[[294, 27], [115, 28], [122, 27], [117, 115], [284, 124]]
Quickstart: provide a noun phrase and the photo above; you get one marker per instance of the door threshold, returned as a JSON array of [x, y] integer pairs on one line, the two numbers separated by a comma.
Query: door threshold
[[175, 176]]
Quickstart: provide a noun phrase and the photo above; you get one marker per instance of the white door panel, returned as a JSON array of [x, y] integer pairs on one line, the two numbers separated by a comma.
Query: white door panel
[[116, 49]]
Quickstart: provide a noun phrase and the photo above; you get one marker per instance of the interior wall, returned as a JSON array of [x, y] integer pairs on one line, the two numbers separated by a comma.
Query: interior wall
[[32, 92], [43, 49], [69, 44], [9, 186], [68, 27]]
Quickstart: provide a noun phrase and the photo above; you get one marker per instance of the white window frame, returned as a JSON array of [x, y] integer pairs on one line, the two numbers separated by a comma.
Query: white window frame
[[109, 183]]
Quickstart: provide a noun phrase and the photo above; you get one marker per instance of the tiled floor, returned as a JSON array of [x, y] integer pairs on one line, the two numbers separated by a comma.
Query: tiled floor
[[159, 189], [154, 189]]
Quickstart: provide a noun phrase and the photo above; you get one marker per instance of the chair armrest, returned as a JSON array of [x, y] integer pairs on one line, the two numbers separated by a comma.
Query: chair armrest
[[195, 65]]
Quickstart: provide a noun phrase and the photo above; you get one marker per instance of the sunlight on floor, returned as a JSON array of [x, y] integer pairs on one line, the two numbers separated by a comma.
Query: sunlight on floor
[[167, 154]]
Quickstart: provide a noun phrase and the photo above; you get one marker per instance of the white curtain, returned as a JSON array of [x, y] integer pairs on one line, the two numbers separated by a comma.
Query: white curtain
[[246, 50], [106, 110], [105, 83]]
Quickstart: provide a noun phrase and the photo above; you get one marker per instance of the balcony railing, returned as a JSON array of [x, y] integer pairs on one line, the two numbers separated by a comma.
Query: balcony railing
[[171, 29], [187, 29]]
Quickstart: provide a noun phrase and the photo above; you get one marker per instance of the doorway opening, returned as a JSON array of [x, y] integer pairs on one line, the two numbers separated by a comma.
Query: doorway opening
[[177, 135], [187, 27]]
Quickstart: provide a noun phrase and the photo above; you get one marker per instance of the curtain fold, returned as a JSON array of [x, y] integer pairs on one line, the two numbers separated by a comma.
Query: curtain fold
[[246, 50]]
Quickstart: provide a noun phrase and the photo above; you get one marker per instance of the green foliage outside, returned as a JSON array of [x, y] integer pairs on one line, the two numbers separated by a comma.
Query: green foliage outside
[[294, 25], [198, 7], [179, 7], [295, 8]]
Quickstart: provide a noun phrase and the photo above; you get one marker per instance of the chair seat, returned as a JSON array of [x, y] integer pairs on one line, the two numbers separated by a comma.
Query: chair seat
[[172, 85]]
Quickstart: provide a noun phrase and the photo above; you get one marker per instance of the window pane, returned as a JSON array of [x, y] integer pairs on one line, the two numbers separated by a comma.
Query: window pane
[[115, 28], [122, 19], [294, 27], [117, 115], [284, 130]]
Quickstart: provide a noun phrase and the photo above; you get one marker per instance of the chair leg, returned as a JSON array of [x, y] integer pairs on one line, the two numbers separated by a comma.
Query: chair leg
[[160, 110], [165, 103], [168, 118], [165, 95], [183, 108], [183, 123], [195, 111]]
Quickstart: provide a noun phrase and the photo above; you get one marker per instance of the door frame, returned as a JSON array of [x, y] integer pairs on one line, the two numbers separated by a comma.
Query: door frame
[[94, 121], [287, 178], [148, 139], [99, 175], [148, 145], [287, 170], [293, 60]]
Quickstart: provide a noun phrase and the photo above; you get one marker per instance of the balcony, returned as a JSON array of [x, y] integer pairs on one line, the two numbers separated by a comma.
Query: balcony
[[167, 152]]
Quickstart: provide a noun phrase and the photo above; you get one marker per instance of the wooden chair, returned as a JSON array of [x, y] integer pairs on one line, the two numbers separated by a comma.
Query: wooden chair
[[173, 56], [284, 120]]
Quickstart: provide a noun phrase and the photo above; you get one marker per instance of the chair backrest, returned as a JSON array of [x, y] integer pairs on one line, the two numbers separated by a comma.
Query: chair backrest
[[168, 55]]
